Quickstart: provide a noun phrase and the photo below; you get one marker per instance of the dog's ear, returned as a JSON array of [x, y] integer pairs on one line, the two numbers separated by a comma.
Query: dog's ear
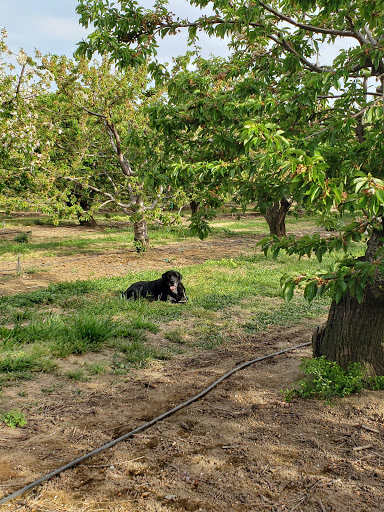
[[164, 276], [180, 276]]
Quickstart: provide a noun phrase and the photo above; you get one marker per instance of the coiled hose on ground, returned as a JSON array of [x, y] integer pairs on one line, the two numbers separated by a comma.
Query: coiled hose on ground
[[148, 424]]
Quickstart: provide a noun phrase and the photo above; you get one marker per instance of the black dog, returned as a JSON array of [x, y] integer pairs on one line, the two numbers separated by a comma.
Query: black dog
[[168, 288]]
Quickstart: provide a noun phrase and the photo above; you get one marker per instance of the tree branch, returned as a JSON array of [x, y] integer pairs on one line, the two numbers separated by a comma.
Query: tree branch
[[116, 144], [312, 28]]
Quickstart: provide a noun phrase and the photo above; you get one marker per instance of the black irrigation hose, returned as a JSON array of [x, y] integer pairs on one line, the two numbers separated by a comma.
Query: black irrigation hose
[[148, 424]]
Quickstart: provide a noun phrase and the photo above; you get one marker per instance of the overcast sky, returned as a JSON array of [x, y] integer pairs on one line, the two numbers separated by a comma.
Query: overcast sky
[[52, 26]]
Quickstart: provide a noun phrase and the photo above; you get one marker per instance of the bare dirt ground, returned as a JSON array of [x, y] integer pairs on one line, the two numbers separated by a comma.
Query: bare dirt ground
[[241, 448]]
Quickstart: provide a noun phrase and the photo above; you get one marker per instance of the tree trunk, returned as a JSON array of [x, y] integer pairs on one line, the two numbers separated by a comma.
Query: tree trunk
[[90, 222], [141, 238], [355, 332], [195, 206], [275, 217]]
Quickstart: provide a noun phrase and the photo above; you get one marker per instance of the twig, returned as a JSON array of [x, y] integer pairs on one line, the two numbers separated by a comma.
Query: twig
[[320, 503], [370, 429], [364, 447]]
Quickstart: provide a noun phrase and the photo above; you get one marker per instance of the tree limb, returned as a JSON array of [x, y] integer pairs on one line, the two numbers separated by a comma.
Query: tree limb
[[312, 28]]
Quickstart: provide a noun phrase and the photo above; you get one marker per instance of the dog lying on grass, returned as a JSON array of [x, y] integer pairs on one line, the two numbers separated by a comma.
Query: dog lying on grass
[[168, 288]]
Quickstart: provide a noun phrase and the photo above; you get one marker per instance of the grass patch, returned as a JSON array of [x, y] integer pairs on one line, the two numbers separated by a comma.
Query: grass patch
[[284, 315], [77, 317], [136, 354]]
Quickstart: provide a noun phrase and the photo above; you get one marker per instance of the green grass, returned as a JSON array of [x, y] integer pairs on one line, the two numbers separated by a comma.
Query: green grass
[[115, 238], [74, 318]]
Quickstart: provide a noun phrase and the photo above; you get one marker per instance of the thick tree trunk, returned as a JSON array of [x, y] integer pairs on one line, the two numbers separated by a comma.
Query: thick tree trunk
[[141, 238], [275, 217], [355, 332]]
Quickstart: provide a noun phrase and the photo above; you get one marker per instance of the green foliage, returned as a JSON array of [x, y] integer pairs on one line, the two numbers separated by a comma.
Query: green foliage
[[271, 121], [348, 276], [23, 238], [326, 380], [139, 246], [199, 223], [13, 418], [331, 221]]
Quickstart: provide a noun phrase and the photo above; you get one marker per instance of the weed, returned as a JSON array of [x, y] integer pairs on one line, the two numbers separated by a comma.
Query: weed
[[48, 391], [77, 375], [84, 333], [14, 418], [136, 354], [209, 336], [326, 379], [376, 383], [96, 368], [139, 246], [23, 238]]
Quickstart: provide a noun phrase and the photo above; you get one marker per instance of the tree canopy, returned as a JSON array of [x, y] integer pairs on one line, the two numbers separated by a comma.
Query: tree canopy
[[318, 73], [76, 139]]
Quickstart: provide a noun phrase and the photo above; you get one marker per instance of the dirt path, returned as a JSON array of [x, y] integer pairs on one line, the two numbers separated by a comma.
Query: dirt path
[[240, 449]]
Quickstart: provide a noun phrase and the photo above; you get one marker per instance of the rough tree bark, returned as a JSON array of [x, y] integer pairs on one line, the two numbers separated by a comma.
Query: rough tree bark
[[275, 217], [141, 238], [355, 332]]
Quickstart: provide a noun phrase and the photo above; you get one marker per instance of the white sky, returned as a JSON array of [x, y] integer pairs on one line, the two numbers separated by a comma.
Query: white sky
[[52, 26]]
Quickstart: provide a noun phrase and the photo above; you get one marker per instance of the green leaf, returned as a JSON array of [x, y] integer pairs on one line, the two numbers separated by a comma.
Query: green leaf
[[379, 195], [310, 291], [288, 291]]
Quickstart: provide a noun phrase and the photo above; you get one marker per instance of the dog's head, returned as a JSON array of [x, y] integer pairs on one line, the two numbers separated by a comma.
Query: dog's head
[[171, 279]]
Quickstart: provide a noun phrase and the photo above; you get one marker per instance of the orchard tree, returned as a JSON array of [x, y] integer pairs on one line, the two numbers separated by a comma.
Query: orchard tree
[[75, 140], [26, 136], [336, 153], [202, 119], [107, 156]]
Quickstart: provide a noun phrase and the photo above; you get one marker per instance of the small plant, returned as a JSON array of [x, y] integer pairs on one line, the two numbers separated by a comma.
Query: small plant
[[23, 238], [376, 383], [96, 368], [140, 246], [14, 418], [40, 222], [77, 375], [327, 379]]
